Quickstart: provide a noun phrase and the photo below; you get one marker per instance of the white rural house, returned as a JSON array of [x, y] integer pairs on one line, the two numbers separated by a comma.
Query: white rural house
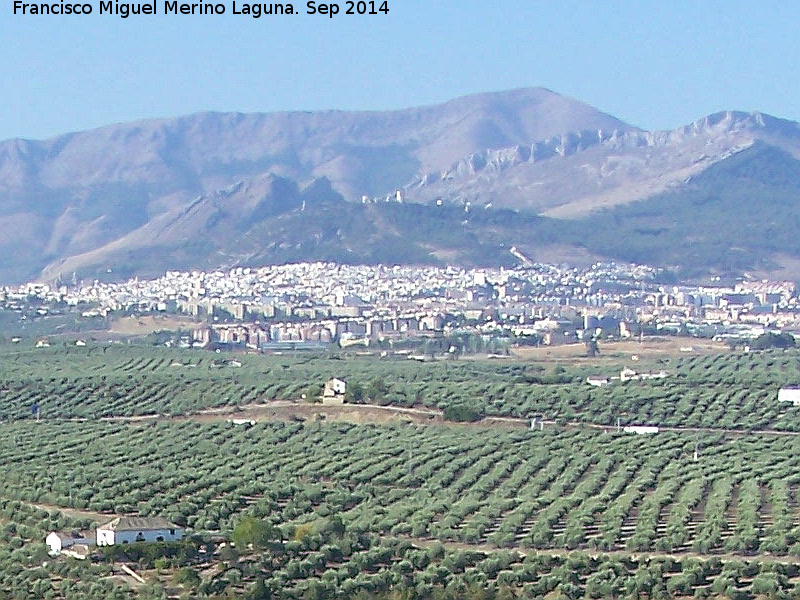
[[334, 392], [59, 542], [789, 395], [130, 530]]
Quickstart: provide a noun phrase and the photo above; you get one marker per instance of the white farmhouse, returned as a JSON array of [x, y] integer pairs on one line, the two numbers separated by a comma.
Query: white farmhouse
[[789, 395], [334, 392], [130, 530], [59, 542]]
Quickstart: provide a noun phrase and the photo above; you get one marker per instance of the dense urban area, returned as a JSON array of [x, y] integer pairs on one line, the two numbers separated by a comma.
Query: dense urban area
[[312, 304]]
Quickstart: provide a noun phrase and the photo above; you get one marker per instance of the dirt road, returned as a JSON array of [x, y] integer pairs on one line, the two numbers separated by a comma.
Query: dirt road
[[282, 411]]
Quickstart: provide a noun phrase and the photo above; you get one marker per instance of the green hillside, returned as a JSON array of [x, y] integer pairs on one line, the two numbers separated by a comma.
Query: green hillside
[[734, 216]]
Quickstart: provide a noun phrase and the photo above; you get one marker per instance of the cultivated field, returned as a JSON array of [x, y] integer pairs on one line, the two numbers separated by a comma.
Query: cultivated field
[[406, 506], [718, 391]]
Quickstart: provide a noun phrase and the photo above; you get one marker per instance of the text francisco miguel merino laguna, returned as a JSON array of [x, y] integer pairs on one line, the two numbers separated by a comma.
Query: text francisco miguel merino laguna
[[125, 9]]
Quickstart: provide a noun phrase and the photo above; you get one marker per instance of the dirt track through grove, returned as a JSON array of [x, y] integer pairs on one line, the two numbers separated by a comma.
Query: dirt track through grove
[[282, 411]]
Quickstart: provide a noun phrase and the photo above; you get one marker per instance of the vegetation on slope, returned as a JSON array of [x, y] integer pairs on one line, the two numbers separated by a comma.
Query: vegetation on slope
[[736, 215], [732, 391]]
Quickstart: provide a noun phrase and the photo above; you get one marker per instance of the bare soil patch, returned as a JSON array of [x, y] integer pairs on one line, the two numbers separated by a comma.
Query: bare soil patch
[[149, 324], [650, 347]]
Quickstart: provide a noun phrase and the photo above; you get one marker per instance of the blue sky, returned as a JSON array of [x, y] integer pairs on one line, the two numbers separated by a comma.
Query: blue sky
[[655, 64]]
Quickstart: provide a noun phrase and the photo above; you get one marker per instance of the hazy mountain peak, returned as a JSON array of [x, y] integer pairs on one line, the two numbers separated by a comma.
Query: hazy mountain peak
[[731, 120], [87, 196]]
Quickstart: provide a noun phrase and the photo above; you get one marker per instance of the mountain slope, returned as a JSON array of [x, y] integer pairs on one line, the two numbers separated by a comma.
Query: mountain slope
[[525, 168], [79, 192], [743, 213], [573, 175], [270, 220], [199, 150]]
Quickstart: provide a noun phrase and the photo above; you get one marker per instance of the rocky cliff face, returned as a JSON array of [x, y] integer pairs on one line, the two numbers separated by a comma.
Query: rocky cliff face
[[578, 173]]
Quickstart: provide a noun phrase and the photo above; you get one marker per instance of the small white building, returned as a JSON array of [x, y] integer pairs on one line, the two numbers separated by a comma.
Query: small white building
[[640, 429], [789, 395], [59, 542], [130, 530], [334, 392], [628, 374]]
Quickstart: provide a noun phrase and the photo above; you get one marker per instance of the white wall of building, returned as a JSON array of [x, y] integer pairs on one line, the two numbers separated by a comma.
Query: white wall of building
[[640, 429], [59, 542], [54, 542], [789, 395], [338, 386], [110, 537]]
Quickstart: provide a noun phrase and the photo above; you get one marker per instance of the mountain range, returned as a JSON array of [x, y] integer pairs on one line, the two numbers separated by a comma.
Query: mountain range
[[461, 182]]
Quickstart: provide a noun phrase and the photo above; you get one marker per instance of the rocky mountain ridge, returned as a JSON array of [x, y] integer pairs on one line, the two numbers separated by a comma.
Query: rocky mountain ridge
[[227, 189], [578, 173]]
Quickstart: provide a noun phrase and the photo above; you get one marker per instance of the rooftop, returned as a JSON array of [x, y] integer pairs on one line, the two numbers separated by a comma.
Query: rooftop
[[137, 524]]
